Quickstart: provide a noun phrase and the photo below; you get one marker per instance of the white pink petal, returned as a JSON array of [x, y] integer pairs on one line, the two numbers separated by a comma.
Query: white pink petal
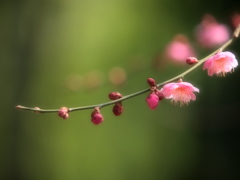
[[181, 91], [220, 63]]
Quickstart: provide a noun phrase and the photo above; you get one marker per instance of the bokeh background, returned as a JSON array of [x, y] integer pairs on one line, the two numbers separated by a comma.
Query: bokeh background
[[72, 53]]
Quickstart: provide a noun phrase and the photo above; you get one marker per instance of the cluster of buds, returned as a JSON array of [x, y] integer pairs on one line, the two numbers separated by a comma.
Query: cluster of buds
[[117, 108], [155, 96], [180, 92], [63, 112]]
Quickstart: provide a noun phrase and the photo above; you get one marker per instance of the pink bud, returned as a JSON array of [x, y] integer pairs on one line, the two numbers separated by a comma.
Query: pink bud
[[191, 60], [118, 109], [152, 100], [62, 112], [151, 82], [97, 118], [114, 95]]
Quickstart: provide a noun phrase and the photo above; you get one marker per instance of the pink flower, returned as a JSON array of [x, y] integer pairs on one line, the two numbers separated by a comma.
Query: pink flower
[[179, 49], [210, 33], [220, 63], [181, 91]]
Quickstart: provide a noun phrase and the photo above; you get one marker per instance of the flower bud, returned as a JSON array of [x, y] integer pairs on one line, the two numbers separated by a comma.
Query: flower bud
[[117, 109], [151, 82], [63, 112], [152, 100], [97, 117], [191, 60], [114, 95]]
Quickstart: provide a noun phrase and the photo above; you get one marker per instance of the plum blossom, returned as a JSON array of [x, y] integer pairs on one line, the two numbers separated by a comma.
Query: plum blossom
[[210, 33], [180, 91], [220, 63], [179, 49]]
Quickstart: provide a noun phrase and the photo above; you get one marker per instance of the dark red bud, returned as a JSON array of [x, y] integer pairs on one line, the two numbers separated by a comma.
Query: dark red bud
[[117, 109], [151, 82], [114, 95]]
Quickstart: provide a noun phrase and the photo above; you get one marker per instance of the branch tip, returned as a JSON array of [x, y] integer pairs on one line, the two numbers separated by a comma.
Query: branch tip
[[236, 32]]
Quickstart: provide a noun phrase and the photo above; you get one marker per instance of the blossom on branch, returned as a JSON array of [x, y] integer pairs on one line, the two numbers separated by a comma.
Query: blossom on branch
[[210, 33], [179, 49], [220, 63], [181, 91]]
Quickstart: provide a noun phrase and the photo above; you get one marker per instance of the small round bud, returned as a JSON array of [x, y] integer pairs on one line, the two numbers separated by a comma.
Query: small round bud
[[114, 95], [117, 109], [151, 82], [97, 118], [191, 60], [37, 108], [62, 112]]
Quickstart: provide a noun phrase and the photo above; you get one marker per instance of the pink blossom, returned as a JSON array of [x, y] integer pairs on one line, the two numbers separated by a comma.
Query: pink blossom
[[152, 100], [179, 49], [210, 33], [181, 91], [220, 63]]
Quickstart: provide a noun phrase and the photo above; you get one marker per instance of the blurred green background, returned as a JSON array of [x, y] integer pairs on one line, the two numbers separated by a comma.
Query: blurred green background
[[58, 53]]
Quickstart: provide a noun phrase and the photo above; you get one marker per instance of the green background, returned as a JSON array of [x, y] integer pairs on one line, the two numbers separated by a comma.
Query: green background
[[47, 44]]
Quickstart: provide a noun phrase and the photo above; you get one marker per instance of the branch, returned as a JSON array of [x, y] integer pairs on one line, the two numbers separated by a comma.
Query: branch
[[176, 78]]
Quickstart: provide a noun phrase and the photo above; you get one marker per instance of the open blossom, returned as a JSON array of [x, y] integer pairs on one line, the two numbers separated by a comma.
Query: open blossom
[[220, 63], [179, 49], [181, 91], [210, 33]]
